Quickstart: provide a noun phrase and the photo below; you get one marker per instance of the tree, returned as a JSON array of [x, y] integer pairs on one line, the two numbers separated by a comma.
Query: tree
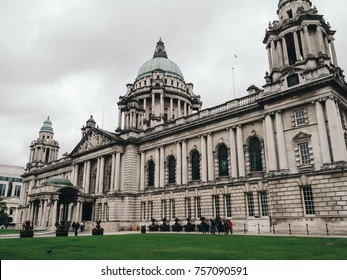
[[4, 217]]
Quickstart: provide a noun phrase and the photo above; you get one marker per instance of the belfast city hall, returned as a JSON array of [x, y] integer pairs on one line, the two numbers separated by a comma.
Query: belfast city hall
[[274, 158]]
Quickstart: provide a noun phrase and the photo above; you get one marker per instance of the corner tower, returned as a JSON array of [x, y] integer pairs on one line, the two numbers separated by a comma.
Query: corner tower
[[158, 95], [44, 149], [300, 46]]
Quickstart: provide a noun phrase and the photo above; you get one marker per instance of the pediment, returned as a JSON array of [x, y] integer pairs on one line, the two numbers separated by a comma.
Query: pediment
[[94, 139], [301, 136]]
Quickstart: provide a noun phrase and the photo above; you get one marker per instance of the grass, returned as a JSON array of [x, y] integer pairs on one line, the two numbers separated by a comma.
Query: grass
[[173, 247]]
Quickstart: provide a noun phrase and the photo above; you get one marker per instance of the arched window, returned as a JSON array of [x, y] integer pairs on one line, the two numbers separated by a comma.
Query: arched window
[[255, 155], [223, 160], [172, 170], [151, 168], [195, 165]]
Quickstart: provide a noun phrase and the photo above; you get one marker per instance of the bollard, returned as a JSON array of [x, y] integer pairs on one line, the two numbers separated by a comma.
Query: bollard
[[290, 230], [244, 228], [258, 229], [307, 229], [327, 228]]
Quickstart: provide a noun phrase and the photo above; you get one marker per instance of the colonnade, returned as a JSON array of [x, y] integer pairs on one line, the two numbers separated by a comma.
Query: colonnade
[[134, 117], [52, 211], [304, 45], [115, 184]]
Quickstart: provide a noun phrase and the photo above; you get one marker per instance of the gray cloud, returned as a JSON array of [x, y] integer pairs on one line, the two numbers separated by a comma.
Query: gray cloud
[[69, 59]]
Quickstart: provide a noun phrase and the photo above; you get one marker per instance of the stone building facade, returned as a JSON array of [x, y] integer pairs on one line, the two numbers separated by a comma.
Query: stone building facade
[[272, 160], [11, 187]]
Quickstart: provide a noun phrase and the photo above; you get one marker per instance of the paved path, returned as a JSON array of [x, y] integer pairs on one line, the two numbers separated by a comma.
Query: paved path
[[89, 233]]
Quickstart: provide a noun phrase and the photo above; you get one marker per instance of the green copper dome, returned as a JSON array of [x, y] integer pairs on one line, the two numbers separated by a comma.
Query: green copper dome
[[160, 61], [47, 126], [59, 180]]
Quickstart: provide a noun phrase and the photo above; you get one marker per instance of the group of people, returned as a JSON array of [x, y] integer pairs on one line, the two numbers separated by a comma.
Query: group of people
[[217, 225], [75, 226]]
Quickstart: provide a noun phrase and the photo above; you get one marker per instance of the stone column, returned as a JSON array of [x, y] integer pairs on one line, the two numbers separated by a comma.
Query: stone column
[[210, 161], [162, 105], [131, 120], [297, 46], [170, 115], [285, 51], [117, 174], [240, 152], [162, 167], [101, 174], [153, 104], [184, 163], [44, 211], [87, 186], [30, 211], [157, 168], [203, 159], [179, 164], [142, 172], [307, 39], [179, 112], [333, 52], [40, 213], [119, 118], [274, 54], [145, 108], [281, 142], [185, 109], [336, 138], [322, 132], [280, 53], [124, 121], [55, 211], [270, 144], [320, 39], [269, 55], [303, 43], [233, 153], [113, 171]]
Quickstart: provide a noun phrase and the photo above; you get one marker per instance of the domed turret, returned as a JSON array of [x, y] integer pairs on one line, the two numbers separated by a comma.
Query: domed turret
[[300, 46], [158, 95], [47, 126], [44, 149]]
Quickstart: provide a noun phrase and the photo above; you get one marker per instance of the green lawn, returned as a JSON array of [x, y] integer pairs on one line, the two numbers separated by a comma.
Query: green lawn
[[9, 231], [173, 247]]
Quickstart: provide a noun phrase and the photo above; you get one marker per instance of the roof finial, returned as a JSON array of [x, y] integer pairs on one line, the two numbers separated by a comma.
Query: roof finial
[[160, 50]]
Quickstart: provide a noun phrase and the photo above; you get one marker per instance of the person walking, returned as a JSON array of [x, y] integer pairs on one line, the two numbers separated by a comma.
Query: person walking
[[77, 226], [230, 226]]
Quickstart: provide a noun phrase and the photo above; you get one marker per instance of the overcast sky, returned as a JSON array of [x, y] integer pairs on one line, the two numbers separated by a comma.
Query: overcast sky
[[70, 59]]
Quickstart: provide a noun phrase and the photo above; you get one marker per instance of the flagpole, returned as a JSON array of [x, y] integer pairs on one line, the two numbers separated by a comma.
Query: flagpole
[[234, 83]]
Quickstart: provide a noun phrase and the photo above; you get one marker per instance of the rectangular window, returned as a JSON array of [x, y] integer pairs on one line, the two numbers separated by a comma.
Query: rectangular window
[[304, 154], [188, 207], [9, 189], [150, 210], [250, 204], [264, 204], [172, 209], [164, 209], [143, 211], [216, 205], [300, 118], [2, 189], [308, 200], [228, 205], [198, 207], [17, 191]]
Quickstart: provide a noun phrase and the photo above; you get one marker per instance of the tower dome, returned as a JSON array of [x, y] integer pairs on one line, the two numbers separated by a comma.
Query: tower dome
[[47, 126], [160, 61]]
